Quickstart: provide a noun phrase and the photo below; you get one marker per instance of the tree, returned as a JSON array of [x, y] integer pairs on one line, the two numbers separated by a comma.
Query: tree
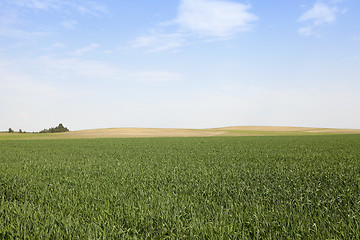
[[59, 128], [20, 131], [10, 130]]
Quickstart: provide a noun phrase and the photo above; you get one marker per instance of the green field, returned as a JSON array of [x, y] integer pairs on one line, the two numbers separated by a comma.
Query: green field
[[274, 187]]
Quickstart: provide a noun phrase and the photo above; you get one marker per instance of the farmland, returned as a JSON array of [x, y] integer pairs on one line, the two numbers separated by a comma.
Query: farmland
[[178, 132], [272, 187]]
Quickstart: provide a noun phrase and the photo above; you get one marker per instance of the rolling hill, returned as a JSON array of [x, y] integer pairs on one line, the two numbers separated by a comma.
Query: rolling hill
[[179, 132]]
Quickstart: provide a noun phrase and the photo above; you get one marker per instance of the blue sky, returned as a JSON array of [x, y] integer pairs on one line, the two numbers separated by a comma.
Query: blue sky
[[179, 63]]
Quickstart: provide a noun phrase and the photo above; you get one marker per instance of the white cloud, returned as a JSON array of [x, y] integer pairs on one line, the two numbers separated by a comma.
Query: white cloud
[[320, 14], [91, 8], [306, 31], [88, 48], [84, 7], [215, 19], [69, 24], [159, 42]]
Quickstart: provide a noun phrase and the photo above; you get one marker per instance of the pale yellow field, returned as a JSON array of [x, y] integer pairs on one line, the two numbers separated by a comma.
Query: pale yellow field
[[173, 132], [290, 129]]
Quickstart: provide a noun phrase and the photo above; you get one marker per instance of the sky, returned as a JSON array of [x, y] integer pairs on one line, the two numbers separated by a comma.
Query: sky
[[179, 63]]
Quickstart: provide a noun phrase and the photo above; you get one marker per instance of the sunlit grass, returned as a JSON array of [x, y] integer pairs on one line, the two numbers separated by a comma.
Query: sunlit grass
[[299, 187]]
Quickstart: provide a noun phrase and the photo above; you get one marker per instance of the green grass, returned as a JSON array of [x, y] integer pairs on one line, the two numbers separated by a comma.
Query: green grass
[[290, 187]]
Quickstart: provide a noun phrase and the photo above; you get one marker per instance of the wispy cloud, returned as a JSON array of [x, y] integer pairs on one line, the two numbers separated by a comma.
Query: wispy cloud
[[320, 14], [12, 78], [215, 19], [85, 49], [55, 45], [91, 8], [69, 24], [12, 17], [18, 33], [84, 7], [73, 68], [9, 26], [158, 41], [306, 31], [38, 4], [52, 71]]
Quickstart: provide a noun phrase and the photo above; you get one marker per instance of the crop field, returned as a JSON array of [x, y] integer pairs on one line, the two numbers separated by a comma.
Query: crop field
[[178, 132], [262, 187]]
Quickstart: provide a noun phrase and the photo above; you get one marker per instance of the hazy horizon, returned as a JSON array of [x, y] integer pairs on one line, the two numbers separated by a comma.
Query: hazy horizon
[[179, 64]]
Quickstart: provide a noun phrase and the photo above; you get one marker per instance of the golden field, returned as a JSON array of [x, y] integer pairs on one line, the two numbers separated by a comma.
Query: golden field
[[179, 132]]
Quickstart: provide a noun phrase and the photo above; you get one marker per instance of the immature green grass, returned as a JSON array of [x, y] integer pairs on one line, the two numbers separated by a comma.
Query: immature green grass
[[298, 187]]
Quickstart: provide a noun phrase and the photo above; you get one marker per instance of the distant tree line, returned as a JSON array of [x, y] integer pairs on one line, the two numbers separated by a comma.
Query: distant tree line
[[12, 131], [57, 129]]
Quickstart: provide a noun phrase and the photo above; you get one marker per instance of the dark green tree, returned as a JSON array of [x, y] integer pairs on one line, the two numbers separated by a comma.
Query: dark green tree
[[59, 128], [10, 130]]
